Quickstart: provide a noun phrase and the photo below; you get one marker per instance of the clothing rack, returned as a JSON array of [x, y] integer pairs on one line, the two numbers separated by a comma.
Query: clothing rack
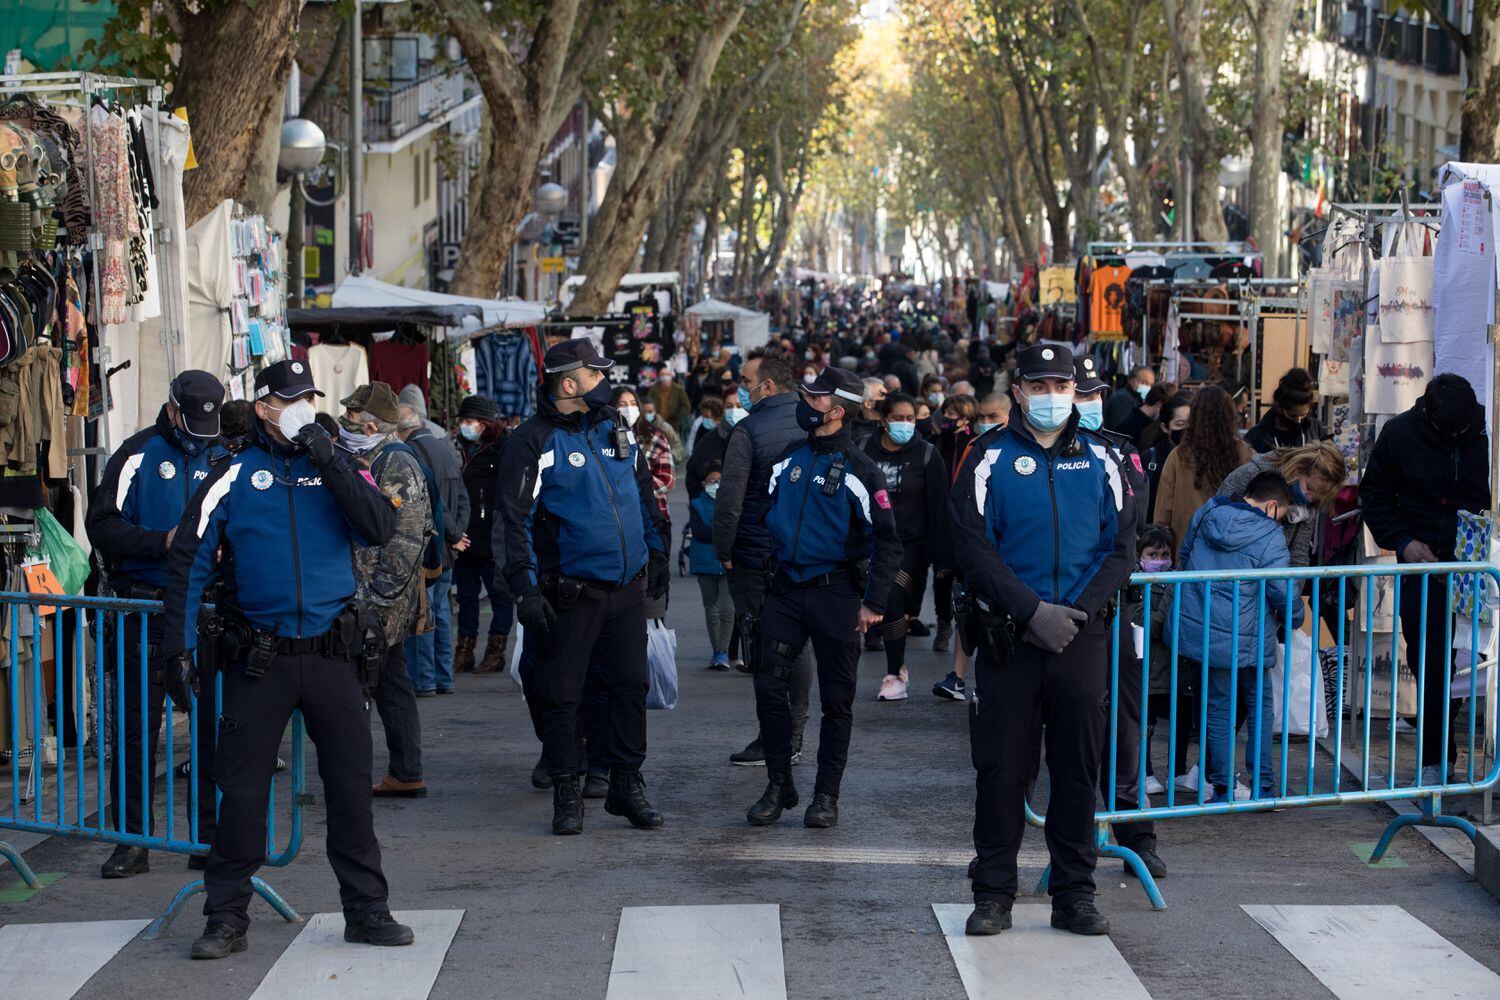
[[88, 86]]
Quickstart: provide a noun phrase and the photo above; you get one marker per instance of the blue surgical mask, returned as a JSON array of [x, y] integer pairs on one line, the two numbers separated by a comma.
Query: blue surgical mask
[[733, 416], [744, 395], [650, 418], [1049, 412], [1142, 390], [469, 432], [710, 424], [901, 431], [985, 428], [1091, 414], [935, 398], [1298, 495]]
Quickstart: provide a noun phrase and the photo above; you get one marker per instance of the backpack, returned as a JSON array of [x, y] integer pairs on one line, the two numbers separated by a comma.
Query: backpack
[[432, 554]]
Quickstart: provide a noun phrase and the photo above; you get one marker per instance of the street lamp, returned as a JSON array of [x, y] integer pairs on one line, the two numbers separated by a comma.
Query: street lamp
[[302, 149], [549, 200]]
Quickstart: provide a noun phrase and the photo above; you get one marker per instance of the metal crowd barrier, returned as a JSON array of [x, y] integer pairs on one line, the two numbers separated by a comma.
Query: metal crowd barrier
[[59, 774], [1346, 771]]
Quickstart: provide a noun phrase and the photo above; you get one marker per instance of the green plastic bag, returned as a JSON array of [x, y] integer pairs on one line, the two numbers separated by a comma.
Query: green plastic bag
[[70, 564]]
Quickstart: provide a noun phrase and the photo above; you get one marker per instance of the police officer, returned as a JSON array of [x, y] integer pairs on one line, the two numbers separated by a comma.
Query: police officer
[[1139, 836], [278, 523], [135, 509], [834, 557], [583, 543], [1037, 528]]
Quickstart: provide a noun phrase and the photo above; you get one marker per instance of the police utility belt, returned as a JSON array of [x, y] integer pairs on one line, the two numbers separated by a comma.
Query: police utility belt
[[856, 572], [564, 591], [357, 634], [986, 628]]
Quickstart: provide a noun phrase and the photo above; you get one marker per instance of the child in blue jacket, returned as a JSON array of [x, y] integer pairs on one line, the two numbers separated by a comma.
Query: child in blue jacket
[[713, 582], [1239, 534]]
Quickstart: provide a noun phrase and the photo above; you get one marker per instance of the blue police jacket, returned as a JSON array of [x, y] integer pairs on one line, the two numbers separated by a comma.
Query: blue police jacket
[[566, 503], [284, 532], [140, 498], [813, 533], [701, 558], [1035, 524]]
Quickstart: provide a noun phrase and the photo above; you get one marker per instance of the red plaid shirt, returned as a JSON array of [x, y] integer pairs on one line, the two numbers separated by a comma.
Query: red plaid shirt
[[663, 471]]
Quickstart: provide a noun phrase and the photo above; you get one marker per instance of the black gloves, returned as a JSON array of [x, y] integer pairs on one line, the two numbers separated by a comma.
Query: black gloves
[[534, 612], [658, 576], [318, 444], [180, 678]]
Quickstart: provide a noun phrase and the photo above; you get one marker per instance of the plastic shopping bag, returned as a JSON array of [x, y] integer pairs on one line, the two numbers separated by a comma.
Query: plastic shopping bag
[[1306, 685], [518, 637], [661, 665], [70, 563]]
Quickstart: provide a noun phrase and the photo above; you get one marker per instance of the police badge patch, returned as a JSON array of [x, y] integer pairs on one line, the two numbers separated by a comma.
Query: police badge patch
[[576, 459], [796, 473], [167, 470], [1025, 465], [262, 479]]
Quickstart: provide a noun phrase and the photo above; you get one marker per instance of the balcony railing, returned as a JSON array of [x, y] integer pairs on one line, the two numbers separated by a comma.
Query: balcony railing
[[393, 110], [1399, 37]]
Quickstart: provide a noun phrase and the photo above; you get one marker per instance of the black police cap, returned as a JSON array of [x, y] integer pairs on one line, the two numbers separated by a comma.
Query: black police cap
[[198, 396], [576, 353], [285, 380], [1086, 374], [1045, 361], [836, 382]]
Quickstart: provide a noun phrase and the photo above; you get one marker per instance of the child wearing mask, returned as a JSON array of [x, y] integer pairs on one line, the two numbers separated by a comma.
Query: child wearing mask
[[1153, 552], [713, 582], [1238, 534]]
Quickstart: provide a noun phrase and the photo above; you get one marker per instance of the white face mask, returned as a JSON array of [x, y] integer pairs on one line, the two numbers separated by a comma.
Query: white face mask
[[359, 443], [295, 417], [631, 414]]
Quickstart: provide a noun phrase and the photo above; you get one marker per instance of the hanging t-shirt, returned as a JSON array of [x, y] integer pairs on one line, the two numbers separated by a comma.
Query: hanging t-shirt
[[337, 369], [399, 365], [505, 370], [1108, 300]]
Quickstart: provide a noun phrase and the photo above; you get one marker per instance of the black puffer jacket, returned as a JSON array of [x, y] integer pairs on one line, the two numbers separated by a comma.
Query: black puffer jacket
[[481, 474], [1416, 482]]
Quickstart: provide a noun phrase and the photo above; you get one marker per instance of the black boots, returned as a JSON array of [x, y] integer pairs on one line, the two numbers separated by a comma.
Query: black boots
[[595, 785], [219, 940], [567, 806], [1081, 917], [823, 813], [780, 794], [627, 797], [539, 776], [125, 862], [378, 928], [989, 917]]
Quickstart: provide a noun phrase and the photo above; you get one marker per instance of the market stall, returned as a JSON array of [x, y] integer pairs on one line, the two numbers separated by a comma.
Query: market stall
[[746, 328]]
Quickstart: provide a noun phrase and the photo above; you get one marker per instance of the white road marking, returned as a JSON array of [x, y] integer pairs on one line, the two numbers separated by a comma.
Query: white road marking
[[698, 953], [1035, 858], [54, 961], [1034, 961], [320, 965], [1376, 953]]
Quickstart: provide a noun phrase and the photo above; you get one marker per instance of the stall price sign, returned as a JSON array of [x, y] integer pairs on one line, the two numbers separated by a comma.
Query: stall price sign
[[1473, 219], [552, 265], [41, 580]]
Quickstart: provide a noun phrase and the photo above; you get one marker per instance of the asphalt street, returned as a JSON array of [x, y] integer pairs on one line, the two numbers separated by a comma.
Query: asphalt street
[[541, 914]]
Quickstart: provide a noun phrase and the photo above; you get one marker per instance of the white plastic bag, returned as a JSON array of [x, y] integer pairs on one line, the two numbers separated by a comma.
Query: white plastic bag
[[517, 636], [661, 665], [1307, 678]]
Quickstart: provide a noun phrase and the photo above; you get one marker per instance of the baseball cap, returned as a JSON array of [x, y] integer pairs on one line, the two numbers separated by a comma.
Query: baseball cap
[[377, 399], [285, 380], [198, 396], [837, 382], [1044, 361], [1086, 374], [576, 353]]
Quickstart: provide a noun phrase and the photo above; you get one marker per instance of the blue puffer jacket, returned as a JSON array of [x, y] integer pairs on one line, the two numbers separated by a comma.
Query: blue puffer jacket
[[567, 504], [701, 558], [1232, 535], [144, 490], [286, 531]]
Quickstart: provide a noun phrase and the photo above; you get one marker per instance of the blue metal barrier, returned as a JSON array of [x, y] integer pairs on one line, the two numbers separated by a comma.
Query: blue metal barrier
[[1315, 786], [87, 640]]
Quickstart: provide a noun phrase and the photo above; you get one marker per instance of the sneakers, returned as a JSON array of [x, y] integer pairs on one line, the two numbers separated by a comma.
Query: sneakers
[[892, 688], [378, 928], [944, 634], [219, 940], [1154, 787], [125, 862], [951, 686], [1081, 917], [740, 665], [989, 917], [754, 755], [720, 662], [1188, 782]]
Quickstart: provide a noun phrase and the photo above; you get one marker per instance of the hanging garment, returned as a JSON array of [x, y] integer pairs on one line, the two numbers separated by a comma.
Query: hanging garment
[[115, 215], [337, 369], [506, 371], [75, 211], [399, 365], [1107, 292], [147, 291]]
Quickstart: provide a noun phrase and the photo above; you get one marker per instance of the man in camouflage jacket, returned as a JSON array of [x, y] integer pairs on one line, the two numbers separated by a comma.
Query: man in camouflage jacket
[[389, 578]]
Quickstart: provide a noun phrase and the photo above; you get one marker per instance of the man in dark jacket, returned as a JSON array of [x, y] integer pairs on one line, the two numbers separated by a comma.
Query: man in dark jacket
[[741, 539], [429, 656], [1428, 464], [481, 435]]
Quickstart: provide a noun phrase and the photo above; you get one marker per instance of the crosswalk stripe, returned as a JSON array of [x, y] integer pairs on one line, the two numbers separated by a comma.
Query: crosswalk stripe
[[53, 961], [1035, 961], [1375, 953], [320, 965], [837, 855], [698, 953]]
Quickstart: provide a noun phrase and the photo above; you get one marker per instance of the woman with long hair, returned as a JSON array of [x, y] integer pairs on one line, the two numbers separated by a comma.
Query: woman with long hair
[[1211, 449], [1315, 472]]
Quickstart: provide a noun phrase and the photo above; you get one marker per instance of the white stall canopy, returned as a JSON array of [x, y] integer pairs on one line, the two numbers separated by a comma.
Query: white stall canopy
[[668, 285], [364, 292], [751, 329]]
